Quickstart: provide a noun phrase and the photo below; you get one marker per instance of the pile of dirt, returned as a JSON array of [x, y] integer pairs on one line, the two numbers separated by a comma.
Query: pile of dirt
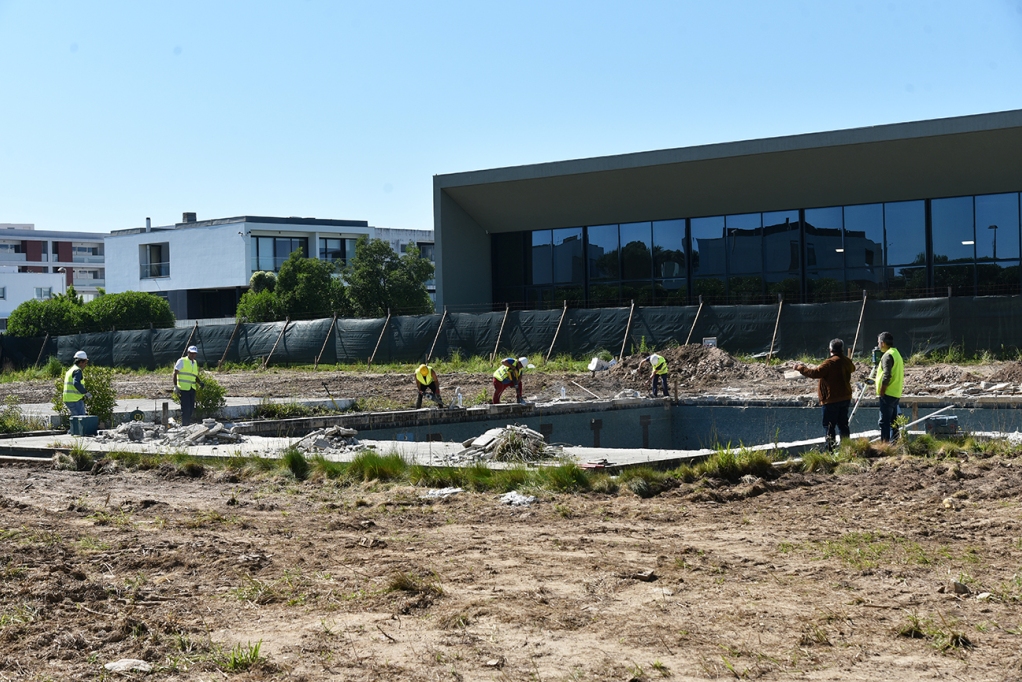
[[701, 366], [945, 374], [1010, 371]]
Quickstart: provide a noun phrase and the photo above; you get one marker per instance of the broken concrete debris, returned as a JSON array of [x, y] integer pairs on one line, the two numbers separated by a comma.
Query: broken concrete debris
[[513, 443], [209, 432], [331, 438], [516, 499]]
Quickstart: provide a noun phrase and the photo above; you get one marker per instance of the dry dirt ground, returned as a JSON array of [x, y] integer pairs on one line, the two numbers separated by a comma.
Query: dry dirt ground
[[813, 577], [695, 371]]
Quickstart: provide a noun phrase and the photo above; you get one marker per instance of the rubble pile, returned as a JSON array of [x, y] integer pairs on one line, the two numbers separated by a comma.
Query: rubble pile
[[331, 438], [513, 443], [209, 432]]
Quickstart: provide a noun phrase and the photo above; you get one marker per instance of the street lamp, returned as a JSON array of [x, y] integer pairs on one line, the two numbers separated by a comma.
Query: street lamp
[[994, 228], [63, 279]]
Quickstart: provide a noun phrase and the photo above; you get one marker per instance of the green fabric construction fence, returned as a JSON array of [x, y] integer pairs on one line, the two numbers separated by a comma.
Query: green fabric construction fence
[[919, 325]]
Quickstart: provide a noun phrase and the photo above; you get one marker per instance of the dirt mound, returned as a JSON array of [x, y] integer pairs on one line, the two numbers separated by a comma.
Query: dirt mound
[[1011, 371], [944, 374], [702, 365]]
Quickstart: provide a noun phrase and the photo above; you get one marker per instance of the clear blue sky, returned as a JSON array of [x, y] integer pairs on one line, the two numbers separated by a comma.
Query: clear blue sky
[[114, 111]]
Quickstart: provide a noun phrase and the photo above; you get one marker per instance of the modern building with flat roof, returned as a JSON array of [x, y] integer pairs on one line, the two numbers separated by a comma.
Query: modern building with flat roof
[[904, 210], [202, 267]]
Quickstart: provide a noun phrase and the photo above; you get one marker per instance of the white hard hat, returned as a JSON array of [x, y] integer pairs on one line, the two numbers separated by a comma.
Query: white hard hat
[[193, 349], [80, 355], [654, 358], [524, 360]]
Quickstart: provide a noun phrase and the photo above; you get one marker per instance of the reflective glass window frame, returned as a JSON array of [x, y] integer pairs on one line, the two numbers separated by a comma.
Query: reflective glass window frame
[[567, 252], [603, 253], [997, 226], [636, 240], [669, 249], [541, 256], [905, 232], [953, 231], [707, 249]]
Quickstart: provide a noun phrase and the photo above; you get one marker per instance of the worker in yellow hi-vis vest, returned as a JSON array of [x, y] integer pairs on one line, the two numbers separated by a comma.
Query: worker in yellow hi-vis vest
[[890, 380], [186, 377]]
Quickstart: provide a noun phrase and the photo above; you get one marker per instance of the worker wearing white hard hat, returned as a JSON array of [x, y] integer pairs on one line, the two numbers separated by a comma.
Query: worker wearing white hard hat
[[74, 389], [186, 376], [659, 373]]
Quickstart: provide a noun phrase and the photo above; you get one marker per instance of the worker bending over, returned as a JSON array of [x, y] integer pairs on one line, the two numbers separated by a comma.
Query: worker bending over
[[659, 373], [509, 374], [427, 380]]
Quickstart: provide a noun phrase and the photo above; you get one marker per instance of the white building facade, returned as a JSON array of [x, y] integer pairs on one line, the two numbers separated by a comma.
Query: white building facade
[[41, 263]]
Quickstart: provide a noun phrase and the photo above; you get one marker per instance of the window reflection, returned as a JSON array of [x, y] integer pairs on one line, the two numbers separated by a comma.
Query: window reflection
[[864, 253], [603, 252], [542, 257], [905, 226], [997, 226], [744, 243], [954, 240], [997, 279], [636, 251], [567, 254], [708, 246], [669, 249]]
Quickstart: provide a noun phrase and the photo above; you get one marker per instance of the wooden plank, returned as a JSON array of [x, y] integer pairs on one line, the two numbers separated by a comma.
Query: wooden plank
[[437, 337], [230, 343], [496, 347], [41, 349], [266, 362], [693, 327], [777, 323], [379, 340], [330, 331], [564, 311], [628, 330], [851, 351]]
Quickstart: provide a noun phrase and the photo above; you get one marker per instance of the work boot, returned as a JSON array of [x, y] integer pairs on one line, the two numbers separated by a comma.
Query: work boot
[[418, 401]]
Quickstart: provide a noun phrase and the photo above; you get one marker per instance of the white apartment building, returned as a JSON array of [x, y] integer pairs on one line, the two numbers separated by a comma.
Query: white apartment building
[[41, 263], [203, 267]]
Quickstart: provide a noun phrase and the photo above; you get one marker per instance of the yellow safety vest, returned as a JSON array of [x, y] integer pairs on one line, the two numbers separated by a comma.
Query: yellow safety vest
[[71, 394], [661, 367], [897, 382], [505, 373], [425, 380], [187, 375]]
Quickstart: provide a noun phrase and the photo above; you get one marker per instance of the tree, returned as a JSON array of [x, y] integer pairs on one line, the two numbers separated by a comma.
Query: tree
[[67, 314], [378, 280], [130, 310], [305, 287]]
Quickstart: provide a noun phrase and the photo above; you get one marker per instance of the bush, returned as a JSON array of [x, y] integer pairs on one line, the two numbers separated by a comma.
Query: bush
[[67, 314], [99, 382], [259, 306], [12, 421]]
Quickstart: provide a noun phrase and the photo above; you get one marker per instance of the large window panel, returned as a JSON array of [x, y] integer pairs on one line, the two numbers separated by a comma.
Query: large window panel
[[640, 292], [905, 228], [782, 243], [708, 252], [669, 249], [604, 252], [712, 289], [954, 239], [744, 243], [671, 292], [603, 294], [825, 243], [636, 251], [745, 289], [567, 253], [997, 226], [542, 257], [825, 285], [864, 245], [906, 282]]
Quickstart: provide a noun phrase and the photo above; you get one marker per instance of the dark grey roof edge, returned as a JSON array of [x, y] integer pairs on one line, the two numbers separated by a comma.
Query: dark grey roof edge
[[275, 221], [51, 235], [803, 141]]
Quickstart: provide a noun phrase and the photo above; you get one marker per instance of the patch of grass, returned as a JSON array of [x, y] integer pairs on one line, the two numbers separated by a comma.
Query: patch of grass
[[209, 519], [271, 410], [238, 658], [564, 478], [731, 465], [135, 460], [371, 466], [943, 635], [321, 467], [437, 477], [16, 614], [87, 543], [293, 460], [13, 421]]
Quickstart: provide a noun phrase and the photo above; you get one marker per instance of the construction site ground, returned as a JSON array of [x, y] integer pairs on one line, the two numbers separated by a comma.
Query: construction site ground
[[695, 370], [897, 567]]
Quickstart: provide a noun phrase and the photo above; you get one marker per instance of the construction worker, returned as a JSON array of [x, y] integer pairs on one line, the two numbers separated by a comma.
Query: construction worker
[[186, 376], [889, 384], [74, 390], [509, 374], [834, 390], [659, 373], [427, 380]]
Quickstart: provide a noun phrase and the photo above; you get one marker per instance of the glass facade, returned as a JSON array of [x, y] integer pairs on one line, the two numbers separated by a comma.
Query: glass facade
[[269, 253], [966, 245]]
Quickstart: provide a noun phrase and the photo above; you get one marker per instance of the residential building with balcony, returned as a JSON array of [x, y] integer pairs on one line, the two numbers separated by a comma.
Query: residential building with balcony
[[41, 263], [203, 267]]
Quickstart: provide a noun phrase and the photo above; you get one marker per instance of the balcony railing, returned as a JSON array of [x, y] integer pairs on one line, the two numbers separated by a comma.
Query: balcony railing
[[7, 256], [89, 259], [153, 270], [88, 283]]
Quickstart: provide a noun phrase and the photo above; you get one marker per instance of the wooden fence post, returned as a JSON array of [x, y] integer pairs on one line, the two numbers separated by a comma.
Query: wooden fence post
[[693, 327], [496, 347], [323, 348], [229, 344], [382, 332], [266, 362], [564, 311], [780, 304], [437, 337], [851, 351], [42, 348], [628, 330]]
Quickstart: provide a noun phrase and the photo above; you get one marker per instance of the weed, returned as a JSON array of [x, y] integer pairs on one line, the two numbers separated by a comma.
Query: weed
[[12, 421], [294, 461], [371, 466], [409, 582], [240, 657], [564, 478]]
